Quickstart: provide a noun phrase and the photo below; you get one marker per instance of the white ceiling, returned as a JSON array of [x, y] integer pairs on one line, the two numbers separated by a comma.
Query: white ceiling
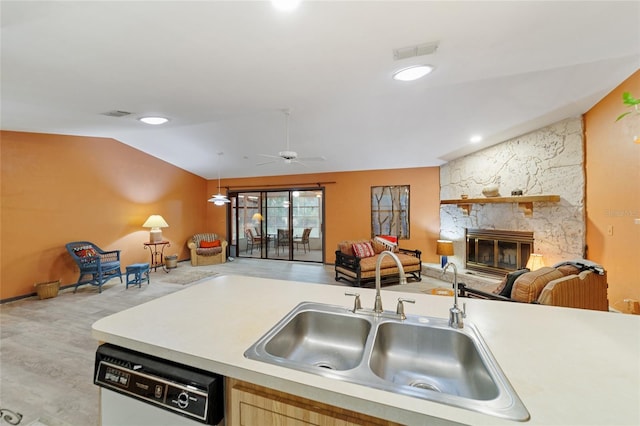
[[223, 71]]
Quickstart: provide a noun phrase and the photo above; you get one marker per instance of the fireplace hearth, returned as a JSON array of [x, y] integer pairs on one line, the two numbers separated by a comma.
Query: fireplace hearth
[[497, 252]]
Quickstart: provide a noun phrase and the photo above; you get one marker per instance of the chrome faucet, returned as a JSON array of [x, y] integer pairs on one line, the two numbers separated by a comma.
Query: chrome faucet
[[356, 302], [400, 307], [455, 314], [377, 307]]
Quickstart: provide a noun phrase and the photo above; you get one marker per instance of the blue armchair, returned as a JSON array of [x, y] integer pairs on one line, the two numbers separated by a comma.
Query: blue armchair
[[96, 265]]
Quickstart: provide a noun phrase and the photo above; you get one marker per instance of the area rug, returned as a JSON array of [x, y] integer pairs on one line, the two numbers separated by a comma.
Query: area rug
[[183, 276]]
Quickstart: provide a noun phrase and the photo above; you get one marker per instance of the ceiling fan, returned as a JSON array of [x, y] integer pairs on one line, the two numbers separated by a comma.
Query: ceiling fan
[[288, 156]]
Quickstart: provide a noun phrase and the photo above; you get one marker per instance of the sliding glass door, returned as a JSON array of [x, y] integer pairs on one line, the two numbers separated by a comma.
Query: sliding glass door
[[245, 224], [278, 224], [307, 219]]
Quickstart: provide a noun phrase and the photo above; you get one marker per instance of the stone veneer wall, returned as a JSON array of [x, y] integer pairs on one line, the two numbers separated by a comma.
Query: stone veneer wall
[[545, 162]]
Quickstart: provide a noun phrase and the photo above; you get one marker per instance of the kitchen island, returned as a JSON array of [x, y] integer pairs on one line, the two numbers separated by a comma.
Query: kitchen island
[[568, 366]]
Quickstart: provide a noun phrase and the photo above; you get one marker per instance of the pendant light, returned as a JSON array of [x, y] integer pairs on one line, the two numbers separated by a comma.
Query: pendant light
[[219, 199]]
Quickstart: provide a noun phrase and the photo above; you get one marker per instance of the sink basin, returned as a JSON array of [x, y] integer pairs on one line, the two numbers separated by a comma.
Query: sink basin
[[420, 357], [432, 358], [321, 339], [315, 337]]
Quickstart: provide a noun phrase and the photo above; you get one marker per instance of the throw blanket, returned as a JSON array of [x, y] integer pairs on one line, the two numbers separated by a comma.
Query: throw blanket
[[583, 265], [388, 241]]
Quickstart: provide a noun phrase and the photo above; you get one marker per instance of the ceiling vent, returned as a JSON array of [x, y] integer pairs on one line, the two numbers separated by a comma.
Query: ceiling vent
[[417, 50], [116, 113]]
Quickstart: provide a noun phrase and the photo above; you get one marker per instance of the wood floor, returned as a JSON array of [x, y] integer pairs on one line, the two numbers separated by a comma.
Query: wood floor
[[47, 351]]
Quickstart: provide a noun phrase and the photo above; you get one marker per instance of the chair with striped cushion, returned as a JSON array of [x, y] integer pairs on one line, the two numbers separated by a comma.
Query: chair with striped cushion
[[207, 249]]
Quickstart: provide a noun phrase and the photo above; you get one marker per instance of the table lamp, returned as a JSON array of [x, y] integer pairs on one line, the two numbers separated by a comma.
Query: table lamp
[[536, 261], [155, 222], [444, 248]]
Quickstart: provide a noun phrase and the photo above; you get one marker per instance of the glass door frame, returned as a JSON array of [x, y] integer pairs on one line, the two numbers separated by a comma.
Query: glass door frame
[[267, 249]]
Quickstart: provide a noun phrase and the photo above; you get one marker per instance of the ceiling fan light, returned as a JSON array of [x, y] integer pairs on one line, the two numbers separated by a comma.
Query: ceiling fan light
[[219, 200], [412, 73], [153, 120]]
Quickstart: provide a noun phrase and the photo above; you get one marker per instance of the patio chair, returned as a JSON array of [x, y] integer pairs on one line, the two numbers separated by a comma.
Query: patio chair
[[283, 240], [252, 239], [304, 240], [96, 265]]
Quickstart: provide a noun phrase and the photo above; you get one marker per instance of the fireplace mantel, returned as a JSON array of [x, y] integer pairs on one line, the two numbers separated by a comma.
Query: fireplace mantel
[[525, 202]]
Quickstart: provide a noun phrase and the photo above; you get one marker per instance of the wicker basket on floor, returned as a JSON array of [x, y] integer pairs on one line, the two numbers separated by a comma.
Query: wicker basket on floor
[[47, 290]]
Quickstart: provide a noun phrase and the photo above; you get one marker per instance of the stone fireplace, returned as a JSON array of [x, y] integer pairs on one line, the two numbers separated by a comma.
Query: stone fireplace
[[497, 252], [548, 161]]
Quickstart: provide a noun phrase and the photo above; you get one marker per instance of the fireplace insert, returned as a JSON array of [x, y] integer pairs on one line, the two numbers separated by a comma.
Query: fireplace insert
[[498, 252]]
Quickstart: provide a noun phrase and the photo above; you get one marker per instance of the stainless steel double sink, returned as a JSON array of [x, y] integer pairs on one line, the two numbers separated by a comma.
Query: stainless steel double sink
[[420, 356]]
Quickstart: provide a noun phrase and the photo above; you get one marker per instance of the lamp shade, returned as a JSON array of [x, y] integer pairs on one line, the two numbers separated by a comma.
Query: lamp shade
[[444, 248], [536, 261], [219, 199], [155, 221]]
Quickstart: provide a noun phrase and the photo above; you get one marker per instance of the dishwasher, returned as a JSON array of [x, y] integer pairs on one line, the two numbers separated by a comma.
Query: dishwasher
[[143, 390]]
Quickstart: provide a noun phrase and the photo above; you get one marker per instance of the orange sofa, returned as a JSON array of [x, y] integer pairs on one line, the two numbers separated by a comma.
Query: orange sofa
[[574, 284], [361, 270]]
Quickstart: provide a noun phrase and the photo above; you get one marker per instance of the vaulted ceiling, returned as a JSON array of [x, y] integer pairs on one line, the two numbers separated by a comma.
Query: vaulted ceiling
[[223, 71]]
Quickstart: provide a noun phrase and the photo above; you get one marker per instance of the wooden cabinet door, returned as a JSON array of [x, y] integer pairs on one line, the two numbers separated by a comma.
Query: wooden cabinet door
[[252, 405]]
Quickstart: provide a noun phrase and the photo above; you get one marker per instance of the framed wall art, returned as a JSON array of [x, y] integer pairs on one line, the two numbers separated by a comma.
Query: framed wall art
[[390, 211]]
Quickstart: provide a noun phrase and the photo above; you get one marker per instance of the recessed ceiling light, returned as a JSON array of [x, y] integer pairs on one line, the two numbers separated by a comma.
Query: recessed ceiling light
[[153, 120], [412, 73], [475, 139], [285, 5]]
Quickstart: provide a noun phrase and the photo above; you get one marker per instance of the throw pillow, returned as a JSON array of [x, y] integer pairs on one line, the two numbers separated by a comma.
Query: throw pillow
[[345, 248], [378, 246], [505, 287], [568, 270], [85, 251], [363, 250], [528, 287], [209, 244]]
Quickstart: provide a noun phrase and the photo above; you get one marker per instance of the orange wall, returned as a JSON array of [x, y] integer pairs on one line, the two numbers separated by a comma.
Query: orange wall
[[348, 204], [57, 189], [613, 192]]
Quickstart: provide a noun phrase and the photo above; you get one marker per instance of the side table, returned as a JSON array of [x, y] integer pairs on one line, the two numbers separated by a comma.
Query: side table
[[157, 254], [140, 272]]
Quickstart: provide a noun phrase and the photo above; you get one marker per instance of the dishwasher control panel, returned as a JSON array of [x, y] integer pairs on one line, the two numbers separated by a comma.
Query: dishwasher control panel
[[186, 391]]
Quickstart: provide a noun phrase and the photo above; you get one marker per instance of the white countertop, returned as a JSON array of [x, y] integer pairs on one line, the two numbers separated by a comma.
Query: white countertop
[[569, 366]]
